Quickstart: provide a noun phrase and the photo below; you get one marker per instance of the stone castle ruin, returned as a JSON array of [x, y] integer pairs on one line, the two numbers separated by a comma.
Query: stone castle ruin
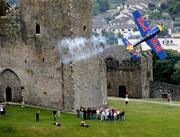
[[49, 58], [31, 66], [129, 76]]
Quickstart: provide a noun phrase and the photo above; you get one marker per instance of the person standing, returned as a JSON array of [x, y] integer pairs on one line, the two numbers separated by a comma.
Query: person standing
[[54, 114], [170, 100], [1, 110], [37, 116], [78, 113], [126, 99], [84, 114]]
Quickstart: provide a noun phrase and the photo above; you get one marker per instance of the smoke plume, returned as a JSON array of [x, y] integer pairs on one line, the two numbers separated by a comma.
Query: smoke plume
[[79, 48]]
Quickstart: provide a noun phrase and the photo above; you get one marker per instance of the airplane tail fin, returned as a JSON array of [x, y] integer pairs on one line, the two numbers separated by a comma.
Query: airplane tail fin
[[130, 48]]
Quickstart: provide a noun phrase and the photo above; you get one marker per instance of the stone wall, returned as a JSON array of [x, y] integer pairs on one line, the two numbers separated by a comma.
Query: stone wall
[[90, 83], [68, 87], [57, 19], [146, 75], [8, 79], [134, 76], [157, 89], [128, 74], [38, 71], [35, 59]]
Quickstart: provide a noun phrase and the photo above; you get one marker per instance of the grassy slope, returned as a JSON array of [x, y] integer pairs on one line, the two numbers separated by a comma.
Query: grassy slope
[[142, 120]]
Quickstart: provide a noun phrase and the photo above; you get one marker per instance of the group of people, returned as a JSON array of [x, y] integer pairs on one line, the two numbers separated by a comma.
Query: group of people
[[2, 109], [54, 113], [100, 114]]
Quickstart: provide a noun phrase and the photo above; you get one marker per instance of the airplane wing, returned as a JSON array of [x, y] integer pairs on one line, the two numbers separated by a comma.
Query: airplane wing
[[142, 24], [129, 47], [156, 47]]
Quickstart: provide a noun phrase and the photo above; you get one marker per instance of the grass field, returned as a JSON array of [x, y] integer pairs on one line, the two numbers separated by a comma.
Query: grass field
[[142, 120]]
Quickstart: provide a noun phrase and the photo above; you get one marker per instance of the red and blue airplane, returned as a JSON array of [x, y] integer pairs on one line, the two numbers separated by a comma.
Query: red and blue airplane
[[148, 35]]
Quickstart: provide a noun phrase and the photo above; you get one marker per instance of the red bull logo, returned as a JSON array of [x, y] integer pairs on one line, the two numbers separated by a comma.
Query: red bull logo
[[142, 24], [155, 44]]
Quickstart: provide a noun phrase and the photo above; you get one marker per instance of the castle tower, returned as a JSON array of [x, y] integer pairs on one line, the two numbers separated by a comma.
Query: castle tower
[[30, 57]]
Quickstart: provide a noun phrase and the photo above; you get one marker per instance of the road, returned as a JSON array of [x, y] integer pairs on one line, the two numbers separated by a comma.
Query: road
[[146, 101]]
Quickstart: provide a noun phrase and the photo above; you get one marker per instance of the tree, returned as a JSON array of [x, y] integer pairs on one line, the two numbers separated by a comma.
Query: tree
[[176, 75], [163, 70], [155, 15], [163, 6], [104, 5], [111, 38], [177, 8], [100, 6], [167, 70], [95, 7], [108, 19], [164, 33], [151, 6]]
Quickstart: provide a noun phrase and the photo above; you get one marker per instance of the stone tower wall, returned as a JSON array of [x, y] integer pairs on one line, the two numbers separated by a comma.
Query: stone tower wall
[[146, 75], [36, 60], [57, 19], [90, 83]]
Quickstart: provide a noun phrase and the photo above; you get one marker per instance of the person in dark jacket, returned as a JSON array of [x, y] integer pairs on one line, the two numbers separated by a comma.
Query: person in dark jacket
[[37, 116], [54, 114]]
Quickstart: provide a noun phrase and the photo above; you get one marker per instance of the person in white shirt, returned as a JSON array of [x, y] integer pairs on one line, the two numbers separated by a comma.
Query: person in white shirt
[[1, 110], [126, 99]]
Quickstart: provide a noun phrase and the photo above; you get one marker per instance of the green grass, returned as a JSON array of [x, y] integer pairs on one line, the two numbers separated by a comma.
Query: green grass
[[142, 120]]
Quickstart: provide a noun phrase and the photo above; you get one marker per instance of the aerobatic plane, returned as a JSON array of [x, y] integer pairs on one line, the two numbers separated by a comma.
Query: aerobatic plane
[[148, 35]]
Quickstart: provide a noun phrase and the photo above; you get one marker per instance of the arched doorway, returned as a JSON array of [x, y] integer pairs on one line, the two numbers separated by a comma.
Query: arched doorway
[[122, 91], [8, 94], [10, 87]]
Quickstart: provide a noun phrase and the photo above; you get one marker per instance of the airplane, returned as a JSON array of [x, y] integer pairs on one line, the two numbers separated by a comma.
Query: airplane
[[149, 35]]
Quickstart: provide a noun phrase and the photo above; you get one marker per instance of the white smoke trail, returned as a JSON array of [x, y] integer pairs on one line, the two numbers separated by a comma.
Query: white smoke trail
[[79, 48]]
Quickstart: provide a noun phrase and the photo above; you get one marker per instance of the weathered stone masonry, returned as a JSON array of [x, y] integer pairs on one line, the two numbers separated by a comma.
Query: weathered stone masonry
[[30, 63], [131, 76], [158, 89]]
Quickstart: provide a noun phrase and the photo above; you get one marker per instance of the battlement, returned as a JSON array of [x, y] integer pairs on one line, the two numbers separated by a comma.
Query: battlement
[[126, 65]]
